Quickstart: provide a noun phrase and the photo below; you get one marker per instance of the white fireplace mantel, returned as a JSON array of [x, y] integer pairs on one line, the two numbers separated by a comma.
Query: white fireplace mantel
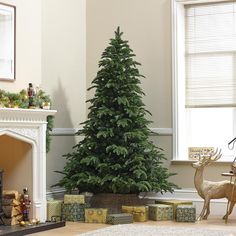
[[29, 125]]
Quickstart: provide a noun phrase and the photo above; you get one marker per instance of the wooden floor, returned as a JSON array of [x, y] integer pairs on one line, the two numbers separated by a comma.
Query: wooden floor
[[75, 228]]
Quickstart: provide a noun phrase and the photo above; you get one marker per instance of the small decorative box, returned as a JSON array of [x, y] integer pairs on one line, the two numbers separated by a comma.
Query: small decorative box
[[122, 218], [160, 212], [53, 209], [96, 215], [70, 198], [140, 213], [186, 213], [174, 203], [73, 211]]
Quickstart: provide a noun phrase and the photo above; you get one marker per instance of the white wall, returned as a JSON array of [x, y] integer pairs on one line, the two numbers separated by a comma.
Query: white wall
[[63, 59], [146, 25], [28, 45], [64, 73]]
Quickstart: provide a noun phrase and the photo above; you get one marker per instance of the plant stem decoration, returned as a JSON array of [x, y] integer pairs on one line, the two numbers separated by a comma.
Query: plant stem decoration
[[116, 155]]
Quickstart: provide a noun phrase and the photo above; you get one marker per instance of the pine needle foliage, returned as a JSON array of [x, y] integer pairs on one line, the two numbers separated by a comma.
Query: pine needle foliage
[[21, 100], [116, 155]]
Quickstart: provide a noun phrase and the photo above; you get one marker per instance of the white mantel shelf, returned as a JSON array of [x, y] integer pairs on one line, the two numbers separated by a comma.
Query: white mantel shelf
[[25, 115], [29, 125]]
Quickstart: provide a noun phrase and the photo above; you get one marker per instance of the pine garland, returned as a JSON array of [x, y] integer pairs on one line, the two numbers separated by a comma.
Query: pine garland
[[21, 100], [116, 155]]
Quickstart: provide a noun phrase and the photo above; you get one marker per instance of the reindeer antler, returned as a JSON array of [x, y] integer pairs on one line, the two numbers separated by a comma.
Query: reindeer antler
[[215, 156], [212, 157]]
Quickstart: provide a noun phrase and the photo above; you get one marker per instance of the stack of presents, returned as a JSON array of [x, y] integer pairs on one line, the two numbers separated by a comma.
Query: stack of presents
[[74, 208]]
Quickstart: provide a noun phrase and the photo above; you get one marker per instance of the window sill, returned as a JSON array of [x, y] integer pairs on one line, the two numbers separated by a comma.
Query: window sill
[[189, 162]]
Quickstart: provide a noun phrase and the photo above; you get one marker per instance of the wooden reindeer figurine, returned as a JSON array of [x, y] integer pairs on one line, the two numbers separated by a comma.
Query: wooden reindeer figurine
[[211, 190]]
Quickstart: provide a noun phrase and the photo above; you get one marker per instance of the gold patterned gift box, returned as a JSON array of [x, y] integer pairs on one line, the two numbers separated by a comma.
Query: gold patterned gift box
[[96, 215], [74, 198], [186, 213], [140, 213], [53, 209], [174, 203], [160, 212]]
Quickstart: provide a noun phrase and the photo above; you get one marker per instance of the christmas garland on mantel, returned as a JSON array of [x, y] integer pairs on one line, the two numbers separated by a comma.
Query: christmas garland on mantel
[[21, 100]]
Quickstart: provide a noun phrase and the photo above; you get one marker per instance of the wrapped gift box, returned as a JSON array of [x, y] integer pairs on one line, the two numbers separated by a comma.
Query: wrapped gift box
[[140, 213], [122, 218], [160, 212], [174, 203], [73, 211], [186, 213], [96, 215], [53, 209], [74, 198]]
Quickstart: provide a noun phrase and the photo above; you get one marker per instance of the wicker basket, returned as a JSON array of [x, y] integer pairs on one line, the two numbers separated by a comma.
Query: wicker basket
[[114, 201]]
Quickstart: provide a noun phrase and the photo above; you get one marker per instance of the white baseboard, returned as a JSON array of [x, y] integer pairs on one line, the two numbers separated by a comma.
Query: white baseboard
[[217, 206]]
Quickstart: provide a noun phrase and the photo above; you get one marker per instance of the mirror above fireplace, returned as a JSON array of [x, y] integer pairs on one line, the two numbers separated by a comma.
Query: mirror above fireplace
[[7, 42]]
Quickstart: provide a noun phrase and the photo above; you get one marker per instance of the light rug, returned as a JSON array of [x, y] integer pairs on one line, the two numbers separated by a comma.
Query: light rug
[[143, 230]]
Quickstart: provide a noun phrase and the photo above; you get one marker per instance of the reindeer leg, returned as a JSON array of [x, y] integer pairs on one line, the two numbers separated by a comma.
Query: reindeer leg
[[206, 203], [231, 207], [230, 210], [207, 211]]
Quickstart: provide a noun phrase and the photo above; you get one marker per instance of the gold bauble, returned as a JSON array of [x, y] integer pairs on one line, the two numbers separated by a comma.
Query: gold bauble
[[22, 223]]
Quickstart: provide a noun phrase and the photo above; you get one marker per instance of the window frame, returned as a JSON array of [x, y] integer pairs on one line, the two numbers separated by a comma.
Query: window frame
[[178, 71]]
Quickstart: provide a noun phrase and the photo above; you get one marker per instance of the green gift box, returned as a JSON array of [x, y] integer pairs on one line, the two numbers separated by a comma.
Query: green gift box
[[186, 213], [122, 218], [160, 212], [174, 204], [73, 211], [53, 209]]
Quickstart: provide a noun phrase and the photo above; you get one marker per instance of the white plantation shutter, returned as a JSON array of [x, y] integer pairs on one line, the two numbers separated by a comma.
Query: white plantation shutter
[[210, 45]]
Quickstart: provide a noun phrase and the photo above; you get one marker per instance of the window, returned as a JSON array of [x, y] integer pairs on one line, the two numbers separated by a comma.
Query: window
[[204, 76]]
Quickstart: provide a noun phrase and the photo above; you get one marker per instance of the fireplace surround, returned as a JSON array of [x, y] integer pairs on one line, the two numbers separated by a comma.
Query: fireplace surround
[[29, 126]]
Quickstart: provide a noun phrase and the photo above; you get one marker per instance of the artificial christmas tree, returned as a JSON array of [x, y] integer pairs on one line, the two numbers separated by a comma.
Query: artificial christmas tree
[[116, 155]]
